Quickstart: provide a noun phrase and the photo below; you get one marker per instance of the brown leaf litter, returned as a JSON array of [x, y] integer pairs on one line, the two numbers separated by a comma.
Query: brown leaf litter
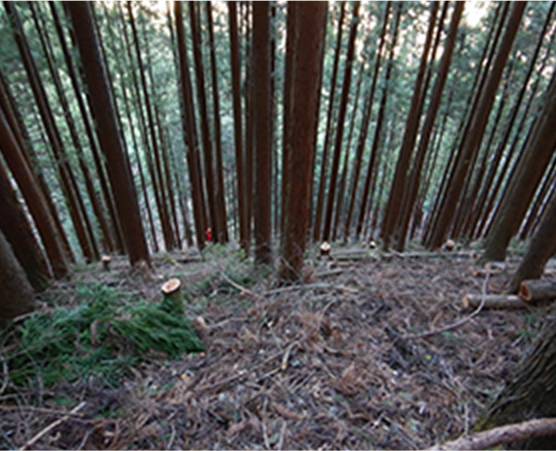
[[324, 365]]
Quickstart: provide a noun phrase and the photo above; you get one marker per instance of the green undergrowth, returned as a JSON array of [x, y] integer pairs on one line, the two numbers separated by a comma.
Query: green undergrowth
[[105, 334]]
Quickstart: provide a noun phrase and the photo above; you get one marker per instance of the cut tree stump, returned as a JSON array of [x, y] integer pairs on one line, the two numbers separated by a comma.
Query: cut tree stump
[[173, 296], [106, 262], [494, 301], [537, 290], [325, 249]]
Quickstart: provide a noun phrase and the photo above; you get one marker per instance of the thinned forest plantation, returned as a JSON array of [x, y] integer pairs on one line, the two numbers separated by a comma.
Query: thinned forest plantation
[[277, 225]]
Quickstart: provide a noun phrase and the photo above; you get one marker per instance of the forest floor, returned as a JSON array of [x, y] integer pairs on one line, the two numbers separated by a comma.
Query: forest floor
[[337, 362]]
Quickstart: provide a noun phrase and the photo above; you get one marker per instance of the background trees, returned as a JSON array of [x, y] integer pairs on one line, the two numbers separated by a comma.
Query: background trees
[[424, 124]]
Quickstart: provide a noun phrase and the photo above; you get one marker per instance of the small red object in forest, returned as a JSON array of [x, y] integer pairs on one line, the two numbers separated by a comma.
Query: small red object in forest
[[208, 234]]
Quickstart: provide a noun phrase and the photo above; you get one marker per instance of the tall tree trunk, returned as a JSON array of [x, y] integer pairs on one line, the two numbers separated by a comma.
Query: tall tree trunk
[[365, 123], [530, 392], [540, 149], [215, 221], [190, 133], [54, 138], [15, 290], [220, 190], [471, 105], [478, 124], [34, 198], [370, 181], [115, 242], [319, 207], [18, 232], [158, 178], [47, 49], [341, 122], [263, 135], [412, 187], [536, 212], [343, 178], [398, 188], [23, 143], [108, 133], [491, 193], [306, 64], [238, 135]]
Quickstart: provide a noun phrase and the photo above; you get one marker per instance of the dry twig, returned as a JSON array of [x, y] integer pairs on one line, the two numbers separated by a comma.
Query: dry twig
[[504, 434], [457, 323], [52, 425]]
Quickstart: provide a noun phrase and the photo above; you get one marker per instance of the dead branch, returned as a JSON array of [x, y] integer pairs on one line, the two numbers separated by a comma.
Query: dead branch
[[494, 301], [504, 434], [312, 286], [52, 425], [457, 323], [537, 290]]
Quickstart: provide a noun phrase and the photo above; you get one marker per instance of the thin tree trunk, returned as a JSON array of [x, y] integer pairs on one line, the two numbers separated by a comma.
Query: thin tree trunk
[[18, 232], [115, 242], [34, 198], [263, 135], [17, 127], [341, 123], [394, 205], [317, 224], [365, 123], [370, 181], [540, 149], [476, 130], [341, 188], [190, 133], [220, 191], [412, 188], [47, 49], [108, 134], [214, 220], [65, 172], [238, 136], [158, 179]]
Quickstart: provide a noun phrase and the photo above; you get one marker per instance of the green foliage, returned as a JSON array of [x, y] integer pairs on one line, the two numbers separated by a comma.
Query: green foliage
[[106, 334]]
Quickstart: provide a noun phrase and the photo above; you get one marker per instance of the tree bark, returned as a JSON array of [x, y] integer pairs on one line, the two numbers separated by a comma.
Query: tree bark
[[190, 133], [15, 290], [66, 175], [116, 242], [306, 64], [477, 128], [18, 232], [238, 136], [530, 392], [317, 223], [541, 248], [263, 135], [108, 133], [341, 123], [34, 198], [396, 196], [539, 151], [414, 182], [370, 181], [157, 176], [214, 220], [220, 191], [365, 123]]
